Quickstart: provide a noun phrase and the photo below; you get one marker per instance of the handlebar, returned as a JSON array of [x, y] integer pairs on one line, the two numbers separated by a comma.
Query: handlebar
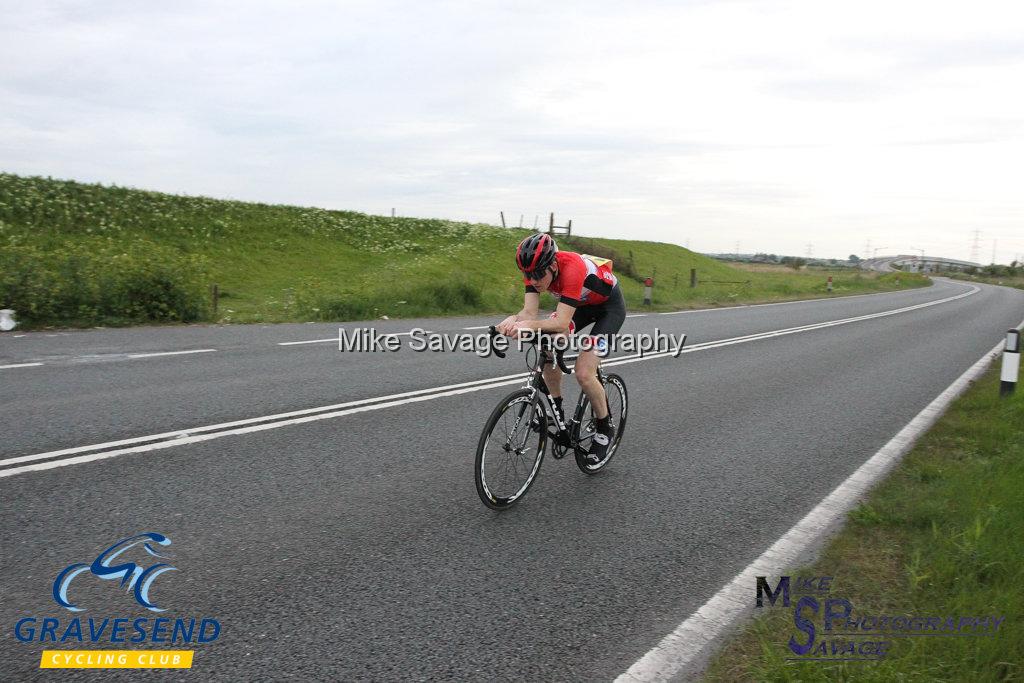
[[558, 353], [561, 363]]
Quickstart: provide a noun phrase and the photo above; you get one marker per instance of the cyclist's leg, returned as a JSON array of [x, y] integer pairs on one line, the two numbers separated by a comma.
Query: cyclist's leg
[[609, 322], [586, 375], [609, 318], [553, 379], [551, 373]]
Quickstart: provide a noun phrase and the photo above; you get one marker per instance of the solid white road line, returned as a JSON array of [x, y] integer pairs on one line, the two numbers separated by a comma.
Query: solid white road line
[[19, 365], [687, 648], [242, 430], [637, 315], [279, 417], [787, 303], [791, 330], [169, 353], [185, 436]]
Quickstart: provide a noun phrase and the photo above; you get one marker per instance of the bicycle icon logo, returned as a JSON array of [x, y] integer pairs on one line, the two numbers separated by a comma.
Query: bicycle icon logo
[[132, 575]]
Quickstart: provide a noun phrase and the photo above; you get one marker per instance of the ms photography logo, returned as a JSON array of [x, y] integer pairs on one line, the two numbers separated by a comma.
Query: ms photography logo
[[845, 635], [136, 578]]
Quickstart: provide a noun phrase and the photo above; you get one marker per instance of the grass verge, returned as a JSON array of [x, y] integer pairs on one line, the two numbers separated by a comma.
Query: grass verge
[[76, 254], [1014, 279], [942, 536], [721, 284]]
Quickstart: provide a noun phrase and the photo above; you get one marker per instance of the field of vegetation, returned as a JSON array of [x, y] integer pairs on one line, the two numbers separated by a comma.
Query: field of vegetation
[[75, 254], [1008, 276], [941, 537]]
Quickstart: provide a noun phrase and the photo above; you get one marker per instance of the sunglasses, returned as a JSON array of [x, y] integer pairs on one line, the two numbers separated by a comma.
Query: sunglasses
[[537, 275]]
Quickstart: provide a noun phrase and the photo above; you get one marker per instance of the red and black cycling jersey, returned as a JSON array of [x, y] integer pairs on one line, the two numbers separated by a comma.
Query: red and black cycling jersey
[[582, 280]]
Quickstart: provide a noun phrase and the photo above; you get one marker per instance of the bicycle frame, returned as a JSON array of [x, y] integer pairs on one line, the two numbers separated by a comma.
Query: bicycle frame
[[535, 382]]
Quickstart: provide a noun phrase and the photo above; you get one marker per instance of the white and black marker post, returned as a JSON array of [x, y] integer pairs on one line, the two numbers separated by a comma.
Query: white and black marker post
[[1011, 363], [7, 321]]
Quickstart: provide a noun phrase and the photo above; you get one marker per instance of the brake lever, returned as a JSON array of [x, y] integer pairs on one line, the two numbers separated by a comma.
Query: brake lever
[[493, 332]]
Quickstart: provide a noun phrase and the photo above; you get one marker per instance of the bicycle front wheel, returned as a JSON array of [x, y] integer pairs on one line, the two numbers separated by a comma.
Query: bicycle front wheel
[[585, 423], [511, 449]]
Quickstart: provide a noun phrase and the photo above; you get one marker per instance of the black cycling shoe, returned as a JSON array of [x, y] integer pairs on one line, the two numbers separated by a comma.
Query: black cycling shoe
[[599, 447]]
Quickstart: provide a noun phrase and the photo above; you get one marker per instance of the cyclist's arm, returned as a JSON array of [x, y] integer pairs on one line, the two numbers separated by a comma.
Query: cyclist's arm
[[531, 307], [557, 324]]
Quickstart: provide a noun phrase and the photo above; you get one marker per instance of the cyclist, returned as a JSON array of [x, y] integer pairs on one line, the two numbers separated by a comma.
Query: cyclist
[[587, 293]]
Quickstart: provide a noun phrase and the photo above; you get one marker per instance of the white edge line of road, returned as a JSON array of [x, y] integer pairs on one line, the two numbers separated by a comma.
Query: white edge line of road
[[19, 365], [685, 651], [192, 435], [795, 301], [791, 330]]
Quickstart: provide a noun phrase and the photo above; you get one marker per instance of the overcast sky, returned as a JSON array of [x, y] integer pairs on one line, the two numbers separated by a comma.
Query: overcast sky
[[773, 124]]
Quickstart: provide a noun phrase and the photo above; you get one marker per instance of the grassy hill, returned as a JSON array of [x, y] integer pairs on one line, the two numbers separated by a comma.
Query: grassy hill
[[82, 254]]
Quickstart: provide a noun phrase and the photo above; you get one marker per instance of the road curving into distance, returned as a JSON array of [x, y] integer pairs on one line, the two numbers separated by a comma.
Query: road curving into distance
[[335, 533]]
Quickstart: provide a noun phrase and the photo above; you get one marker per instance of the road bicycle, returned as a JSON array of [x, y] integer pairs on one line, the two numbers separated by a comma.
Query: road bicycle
[[512, 445]]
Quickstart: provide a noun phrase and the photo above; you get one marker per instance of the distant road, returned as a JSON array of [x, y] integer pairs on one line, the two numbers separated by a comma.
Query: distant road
[[880, 265], [322, 506]]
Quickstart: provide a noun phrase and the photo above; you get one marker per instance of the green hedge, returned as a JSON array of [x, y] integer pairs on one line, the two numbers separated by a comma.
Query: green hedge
[[441, 298], [101, 281]]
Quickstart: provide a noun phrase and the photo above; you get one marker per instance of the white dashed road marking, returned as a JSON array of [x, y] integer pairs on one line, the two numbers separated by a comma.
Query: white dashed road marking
[[169, 353]]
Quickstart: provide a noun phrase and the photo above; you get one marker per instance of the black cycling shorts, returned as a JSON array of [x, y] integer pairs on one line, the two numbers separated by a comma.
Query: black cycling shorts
[[607, 317]]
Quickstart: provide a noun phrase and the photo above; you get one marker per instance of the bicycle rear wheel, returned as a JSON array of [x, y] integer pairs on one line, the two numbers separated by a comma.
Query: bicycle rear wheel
[[585, 423], [511, 449]]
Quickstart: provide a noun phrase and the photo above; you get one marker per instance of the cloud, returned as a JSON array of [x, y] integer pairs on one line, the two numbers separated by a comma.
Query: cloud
[[724, 120], [839, 90]]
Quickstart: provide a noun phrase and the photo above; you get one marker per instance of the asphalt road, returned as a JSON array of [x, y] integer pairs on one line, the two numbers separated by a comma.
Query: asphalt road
[[355, 548]]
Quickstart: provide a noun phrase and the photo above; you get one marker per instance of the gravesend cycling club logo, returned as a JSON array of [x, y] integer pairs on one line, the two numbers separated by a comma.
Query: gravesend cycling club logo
[[132, 564], [132, 575]]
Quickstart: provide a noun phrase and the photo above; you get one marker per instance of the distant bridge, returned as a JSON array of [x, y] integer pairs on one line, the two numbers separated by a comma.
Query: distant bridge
[[916, 264]]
